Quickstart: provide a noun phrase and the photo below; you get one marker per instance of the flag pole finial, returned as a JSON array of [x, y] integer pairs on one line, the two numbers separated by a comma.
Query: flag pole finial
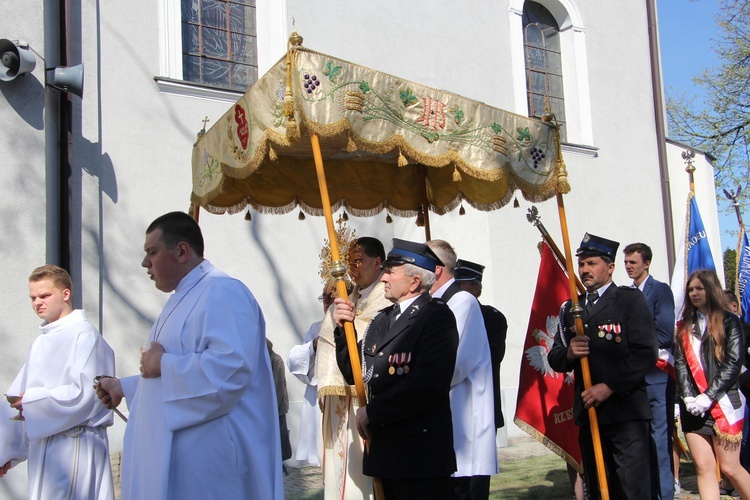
[[688, 156]]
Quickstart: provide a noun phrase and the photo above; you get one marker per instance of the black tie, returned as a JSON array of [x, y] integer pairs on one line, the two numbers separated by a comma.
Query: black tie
[[394, 314], [590, 299]]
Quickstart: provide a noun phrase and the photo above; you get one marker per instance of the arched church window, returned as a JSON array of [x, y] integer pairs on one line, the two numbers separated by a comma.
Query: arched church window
[[543, 62]]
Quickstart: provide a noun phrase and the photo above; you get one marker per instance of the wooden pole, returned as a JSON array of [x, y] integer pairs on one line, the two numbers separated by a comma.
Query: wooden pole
[[338, 272], [425, 202], [734, 198], [576, 309]]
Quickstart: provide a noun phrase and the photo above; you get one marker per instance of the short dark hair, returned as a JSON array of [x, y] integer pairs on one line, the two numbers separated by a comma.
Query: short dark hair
[[731, 296], [177, 227], [372, 247], [640, 248]]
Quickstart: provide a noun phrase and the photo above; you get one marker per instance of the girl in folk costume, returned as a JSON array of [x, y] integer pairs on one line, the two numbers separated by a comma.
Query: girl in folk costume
[[708, 359]]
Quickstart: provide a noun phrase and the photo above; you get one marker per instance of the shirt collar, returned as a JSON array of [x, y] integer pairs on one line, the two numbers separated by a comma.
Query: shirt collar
[[194, 275]]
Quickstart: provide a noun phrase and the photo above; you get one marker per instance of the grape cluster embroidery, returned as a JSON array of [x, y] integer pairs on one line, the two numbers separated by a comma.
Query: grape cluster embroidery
[[311, 83], [537, 155]]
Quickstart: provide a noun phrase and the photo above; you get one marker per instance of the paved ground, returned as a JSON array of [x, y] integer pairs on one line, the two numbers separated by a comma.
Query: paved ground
[[306, 482]]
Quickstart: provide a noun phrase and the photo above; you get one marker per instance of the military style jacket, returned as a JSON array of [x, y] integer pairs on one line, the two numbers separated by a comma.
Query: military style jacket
[[622, 348], [409, 366]]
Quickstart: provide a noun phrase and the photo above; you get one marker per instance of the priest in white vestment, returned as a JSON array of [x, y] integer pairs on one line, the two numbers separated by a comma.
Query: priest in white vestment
[[472, 395], [343, 449], [203, 415], [64, 432]]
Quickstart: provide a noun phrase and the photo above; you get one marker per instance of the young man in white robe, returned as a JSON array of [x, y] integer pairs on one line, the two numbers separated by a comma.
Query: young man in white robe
[[472, 398], [65, 424], [301, 363], [203, 416]]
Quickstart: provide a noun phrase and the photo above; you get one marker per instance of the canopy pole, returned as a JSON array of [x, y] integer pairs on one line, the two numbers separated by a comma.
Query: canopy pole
[[196, 212], [425, 202], [338, 270], [576, 309]]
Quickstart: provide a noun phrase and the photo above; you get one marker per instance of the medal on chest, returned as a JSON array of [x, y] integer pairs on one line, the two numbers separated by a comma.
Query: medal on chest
[[398, 364]]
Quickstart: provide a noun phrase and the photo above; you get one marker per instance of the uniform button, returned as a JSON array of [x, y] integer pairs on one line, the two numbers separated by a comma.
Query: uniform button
[[424, 430], [380, 354], [377, 375]]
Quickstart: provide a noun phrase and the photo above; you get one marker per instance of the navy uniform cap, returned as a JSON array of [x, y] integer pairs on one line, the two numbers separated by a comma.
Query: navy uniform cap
[[592, 245], [409, 252], [467, 271]]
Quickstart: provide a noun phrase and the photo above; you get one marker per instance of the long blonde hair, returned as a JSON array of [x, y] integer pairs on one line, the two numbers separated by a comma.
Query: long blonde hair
[[716, 304]]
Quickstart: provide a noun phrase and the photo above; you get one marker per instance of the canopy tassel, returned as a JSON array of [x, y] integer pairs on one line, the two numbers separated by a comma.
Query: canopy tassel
[[301, 215], [420, 218], [248, 217], [344, 216], [272, 155], [563, 187], [462, 210], [388, 218], [456, 175], [515, 202], [402, 161], [292, 130]]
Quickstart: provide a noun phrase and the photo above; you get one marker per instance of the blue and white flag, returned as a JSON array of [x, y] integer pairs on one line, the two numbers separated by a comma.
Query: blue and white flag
[[693, 253], [743, 277]]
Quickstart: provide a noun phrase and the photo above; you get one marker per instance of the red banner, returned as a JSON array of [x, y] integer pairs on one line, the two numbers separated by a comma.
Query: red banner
[[545, 398]]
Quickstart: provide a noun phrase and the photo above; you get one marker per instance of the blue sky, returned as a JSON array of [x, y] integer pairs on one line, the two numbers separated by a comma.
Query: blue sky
[[686, 31]]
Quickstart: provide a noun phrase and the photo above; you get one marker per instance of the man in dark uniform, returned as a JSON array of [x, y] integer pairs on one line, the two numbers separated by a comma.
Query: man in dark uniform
[[408, 354], [468, 275], [619, 339]]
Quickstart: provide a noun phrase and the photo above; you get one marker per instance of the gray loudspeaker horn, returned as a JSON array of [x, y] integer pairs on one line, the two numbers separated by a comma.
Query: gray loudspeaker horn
[[15, 59], [67, 79]]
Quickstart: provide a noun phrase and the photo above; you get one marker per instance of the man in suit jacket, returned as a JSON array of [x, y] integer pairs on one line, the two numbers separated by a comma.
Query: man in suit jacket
[[619, 341], [408, 354], [660, 380]]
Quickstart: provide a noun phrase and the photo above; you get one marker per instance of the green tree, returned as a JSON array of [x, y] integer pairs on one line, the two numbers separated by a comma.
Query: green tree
[[720, 124], [730, 268]]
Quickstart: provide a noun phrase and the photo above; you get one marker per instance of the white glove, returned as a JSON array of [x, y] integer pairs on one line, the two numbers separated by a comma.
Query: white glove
[[700, 405], [689, 403]]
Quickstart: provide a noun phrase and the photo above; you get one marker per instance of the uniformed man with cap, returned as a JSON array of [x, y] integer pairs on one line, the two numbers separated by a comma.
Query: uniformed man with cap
[[619, 340], [469, 275], [408, 354]]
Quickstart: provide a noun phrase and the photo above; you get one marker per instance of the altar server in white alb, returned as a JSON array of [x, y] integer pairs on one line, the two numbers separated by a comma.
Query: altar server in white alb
[[472, 398], [65, 424], [301, 363], [203, 417]]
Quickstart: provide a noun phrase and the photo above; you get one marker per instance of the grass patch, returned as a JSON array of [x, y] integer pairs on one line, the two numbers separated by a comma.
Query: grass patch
[[535, 477]]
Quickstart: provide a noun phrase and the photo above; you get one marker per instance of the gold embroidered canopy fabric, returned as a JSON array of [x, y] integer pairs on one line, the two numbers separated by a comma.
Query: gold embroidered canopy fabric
[[387, 143]]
